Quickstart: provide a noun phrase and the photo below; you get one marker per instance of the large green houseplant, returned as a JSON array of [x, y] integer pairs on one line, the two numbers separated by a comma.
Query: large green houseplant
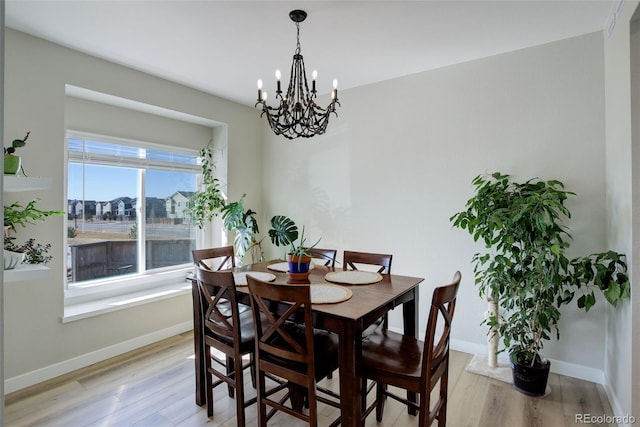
[[526, 269]]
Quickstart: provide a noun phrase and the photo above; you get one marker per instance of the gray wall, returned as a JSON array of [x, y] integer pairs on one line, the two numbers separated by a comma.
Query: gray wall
[[36, 74], [398, 163]]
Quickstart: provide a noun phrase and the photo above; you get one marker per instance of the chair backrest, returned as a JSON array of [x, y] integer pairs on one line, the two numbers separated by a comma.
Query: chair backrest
[[213, 254], [326, 255], [350, 259], [436, 355], [218, 298], [279, 350]]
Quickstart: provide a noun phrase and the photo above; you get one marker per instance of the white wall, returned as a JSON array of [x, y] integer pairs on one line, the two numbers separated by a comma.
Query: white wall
[[623, 199], [34, 91], [398, 163]]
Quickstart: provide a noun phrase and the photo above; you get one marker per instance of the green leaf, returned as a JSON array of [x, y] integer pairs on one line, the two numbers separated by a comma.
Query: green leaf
[[613, 293], [283, 230]]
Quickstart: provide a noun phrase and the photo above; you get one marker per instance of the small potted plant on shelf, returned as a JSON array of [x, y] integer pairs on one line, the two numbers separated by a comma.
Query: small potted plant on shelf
[[13, 163], [283, 232], [30, 252], [526, 270]]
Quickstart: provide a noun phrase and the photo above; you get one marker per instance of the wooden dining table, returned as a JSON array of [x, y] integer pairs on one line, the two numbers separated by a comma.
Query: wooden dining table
[[347, 319]]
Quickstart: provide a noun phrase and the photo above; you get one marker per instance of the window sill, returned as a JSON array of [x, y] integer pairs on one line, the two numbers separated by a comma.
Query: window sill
[[83, 310]]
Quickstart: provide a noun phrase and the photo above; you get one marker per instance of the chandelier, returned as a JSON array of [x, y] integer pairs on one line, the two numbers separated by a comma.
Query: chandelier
[[298, 115]]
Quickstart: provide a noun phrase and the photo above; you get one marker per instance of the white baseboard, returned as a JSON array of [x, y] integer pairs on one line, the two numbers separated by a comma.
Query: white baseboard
[[55, 370], [52, 371], [624, 419], [557, 366]]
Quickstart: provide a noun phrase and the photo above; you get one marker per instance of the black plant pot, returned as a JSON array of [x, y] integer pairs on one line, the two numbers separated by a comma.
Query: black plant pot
[[530, 380]]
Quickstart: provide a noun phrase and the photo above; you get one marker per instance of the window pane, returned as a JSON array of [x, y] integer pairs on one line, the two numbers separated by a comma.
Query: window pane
[[102, 221], [169, 238], [110, 232]]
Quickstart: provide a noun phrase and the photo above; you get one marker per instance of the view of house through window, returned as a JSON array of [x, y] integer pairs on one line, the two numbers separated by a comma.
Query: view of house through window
[[126, 207]]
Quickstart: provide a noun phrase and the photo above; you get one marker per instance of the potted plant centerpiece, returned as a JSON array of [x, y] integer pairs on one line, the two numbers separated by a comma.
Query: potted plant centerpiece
[[526, 270], [284, 232], [13, 163]]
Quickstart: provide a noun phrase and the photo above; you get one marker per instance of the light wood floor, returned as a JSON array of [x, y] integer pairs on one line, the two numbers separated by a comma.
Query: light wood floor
[[154, 386]]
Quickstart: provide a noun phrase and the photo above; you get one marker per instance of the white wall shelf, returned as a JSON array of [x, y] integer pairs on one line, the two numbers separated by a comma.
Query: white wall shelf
[[26, 272], [14, 184]]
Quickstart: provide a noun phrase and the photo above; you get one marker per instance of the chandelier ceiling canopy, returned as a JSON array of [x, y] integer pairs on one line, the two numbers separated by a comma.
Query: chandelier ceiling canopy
[[297, 114]]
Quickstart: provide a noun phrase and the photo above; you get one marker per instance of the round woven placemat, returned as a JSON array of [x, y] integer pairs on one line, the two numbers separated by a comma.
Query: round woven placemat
[[353, 277], [325, 293], [241, 277]]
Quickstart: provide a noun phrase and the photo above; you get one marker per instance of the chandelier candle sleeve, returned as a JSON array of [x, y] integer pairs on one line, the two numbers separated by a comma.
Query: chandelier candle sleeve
[[297, 114]]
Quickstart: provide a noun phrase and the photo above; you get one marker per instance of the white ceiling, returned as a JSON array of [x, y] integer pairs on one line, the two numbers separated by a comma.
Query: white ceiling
[[223, 47]]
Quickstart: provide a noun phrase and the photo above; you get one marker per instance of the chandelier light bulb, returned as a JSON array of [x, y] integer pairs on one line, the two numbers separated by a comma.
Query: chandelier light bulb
[[259, 83], [335, 83], [314, 74], [264, 96], [278, 75]]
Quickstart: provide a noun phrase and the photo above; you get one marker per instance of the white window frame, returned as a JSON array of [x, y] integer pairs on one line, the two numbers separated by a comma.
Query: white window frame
[[147, 281]]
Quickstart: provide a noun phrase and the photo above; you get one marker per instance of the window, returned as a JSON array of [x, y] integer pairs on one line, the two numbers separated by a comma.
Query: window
[[126, 209]]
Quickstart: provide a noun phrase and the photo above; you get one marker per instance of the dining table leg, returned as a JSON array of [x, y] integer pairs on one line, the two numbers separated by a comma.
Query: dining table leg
[[350, 390]]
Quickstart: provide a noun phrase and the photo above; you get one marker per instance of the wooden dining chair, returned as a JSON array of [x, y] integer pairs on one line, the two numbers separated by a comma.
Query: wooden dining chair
[[351, 260], [289, 348], [217, 259], [389, 358], [229, 331], [214, 259], [381, 263], [328, 256]]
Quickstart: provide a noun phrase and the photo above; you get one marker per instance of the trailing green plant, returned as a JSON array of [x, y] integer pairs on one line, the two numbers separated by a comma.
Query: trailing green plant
[[207, 203], [16, 214], [72, 232], [284, 232], [526, 269], [35, 253], [16, 143], [243, 222]]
